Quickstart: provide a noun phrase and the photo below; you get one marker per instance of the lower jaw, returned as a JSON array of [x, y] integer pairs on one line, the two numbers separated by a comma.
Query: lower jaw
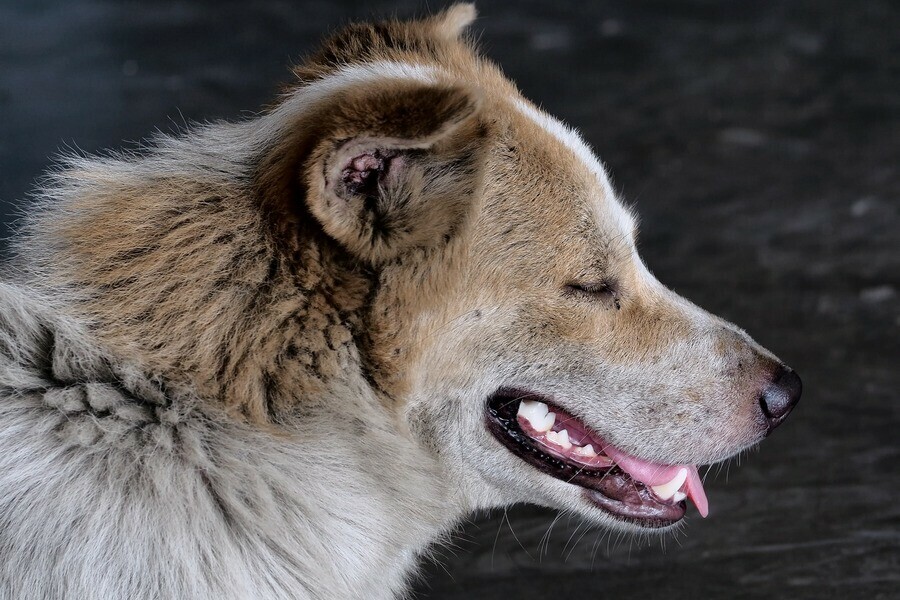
[[639, 515], [609, 489]]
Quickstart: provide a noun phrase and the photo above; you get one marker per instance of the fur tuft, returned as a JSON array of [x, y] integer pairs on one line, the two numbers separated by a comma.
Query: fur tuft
[[456, 19]]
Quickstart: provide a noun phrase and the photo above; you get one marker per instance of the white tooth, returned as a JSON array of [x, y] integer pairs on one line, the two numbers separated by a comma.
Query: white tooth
[[563, 437], [552, 437], [527, 408], [587, 451], [679, 496], [545, 423], [667, 490], [535, 413]]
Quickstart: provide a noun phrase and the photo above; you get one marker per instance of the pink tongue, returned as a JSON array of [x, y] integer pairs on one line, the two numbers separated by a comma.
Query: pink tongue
[[650, 473]]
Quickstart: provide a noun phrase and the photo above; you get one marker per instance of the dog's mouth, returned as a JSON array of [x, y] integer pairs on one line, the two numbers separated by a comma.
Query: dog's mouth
[[634, 490]]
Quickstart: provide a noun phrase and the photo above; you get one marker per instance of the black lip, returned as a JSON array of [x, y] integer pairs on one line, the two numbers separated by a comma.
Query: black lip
[[602, 487]]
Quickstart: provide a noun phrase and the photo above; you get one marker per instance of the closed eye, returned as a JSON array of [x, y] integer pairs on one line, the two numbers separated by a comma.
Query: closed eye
[[595, 290]]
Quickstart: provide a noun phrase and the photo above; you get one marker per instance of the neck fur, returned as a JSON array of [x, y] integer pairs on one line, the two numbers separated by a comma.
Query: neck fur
[[179, 266]]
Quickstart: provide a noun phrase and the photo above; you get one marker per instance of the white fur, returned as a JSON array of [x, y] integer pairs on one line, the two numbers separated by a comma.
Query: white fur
[[304, 100], [113, 486], [570, 138]]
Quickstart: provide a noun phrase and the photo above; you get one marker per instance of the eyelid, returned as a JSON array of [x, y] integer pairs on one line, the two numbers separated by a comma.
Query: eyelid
[[593, 290], [599, 287]]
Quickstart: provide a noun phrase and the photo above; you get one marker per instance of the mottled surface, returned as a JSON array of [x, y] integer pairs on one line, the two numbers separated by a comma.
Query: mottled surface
[[760, 142]]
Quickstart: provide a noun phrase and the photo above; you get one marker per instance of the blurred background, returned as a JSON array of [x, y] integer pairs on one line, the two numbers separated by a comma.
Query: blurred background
[[760, 143]]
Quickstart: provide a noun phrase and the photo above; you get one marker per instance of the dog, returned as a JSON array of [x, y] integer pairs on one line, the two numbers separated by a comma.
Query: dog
[[279, 358]]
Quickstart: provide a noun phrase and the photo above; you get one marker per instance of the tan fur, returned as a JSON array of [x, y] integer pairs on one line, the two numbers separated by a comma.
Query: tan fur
[[404, 218], [231, 285], [183, 272]]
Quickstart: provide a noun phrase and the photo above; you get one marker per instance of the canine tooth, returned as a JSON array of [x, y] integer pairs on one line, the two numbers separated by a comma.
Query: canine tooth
[[679, 496], [536, 413], [587, 451], [667, 490], [530, 408], [546, 424]]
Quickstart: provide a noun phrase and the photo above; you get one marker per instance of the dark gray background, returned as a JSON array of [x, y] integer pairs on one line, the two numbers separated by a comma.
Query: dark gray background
[[759, 141]]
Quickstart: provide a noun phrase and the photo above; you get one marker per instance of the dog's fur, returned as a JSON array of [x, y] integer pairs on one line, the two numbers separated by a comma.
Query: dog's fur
[[233, 366]]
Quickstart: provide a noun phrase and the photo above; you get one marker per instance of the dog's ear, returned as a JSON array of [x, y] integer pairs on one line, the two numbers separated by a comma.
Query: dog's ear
[[451, 22], [384, 166]]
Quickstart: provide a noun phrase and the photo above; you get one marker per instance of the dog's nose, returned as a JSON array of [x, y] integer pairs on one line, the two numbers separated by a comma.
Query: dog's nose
[[780, 396]]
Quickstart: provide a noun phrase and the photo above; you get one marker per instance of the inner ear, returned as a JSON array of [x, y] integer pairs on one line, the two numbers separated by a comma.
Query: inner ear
[[379, 198], [368, 172]]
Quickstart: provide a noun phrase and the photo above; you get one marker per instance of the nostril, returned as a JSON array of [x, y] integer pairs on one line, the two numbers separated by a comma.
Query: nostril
[[780, 396]]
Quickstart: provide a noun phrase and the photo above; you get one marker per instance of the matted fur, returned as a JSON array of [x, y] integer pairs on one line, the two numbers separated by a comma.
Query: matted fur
[[251, 360]]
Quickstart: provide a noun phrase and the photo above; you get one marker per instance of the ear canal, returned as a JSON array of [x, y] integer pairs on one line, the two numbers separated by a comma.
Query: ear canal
[[365, 173]]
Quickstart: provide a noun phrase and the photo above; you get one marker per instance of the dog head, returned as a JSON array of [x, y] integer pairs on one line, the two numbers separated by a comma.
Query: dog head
[[512, 325]]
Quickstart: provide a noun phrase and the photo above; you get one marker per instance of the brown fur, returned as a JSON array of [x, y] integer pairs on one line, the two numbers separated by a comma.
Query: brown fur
[[259, 287], [231, 286], [262, 359]]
